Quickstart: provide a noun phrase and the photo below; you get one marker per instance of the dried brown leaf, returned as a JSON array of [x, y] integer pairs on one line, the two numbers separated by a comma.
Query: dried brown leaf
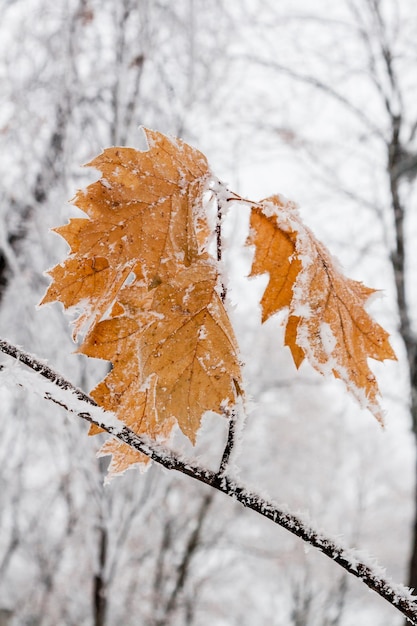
[[180, 334], [143, 217], [327, 321], [149, 293]]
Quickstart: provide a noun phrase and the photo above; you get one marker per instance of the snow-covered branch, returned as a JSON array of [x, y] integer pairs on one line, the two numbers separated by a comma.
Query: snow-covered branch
[[54, 387]]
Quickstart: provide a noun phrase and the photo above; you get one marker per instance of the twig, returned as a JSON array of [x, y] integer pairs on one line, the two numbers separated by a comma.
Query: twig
[[399, 597], [231, 415], [219, 244], [325, 88]]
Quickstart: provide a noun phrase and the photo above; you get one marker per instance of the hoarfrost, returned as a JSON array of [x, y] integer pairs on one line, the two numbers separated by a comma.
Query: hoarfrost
[[17, 375], [105, 183], [328, 340]]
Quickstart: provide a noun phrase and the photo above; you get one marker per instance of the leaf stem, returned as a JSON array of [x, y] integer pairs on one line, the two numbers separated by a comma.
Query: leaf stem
[[219, 244], [231, 415]]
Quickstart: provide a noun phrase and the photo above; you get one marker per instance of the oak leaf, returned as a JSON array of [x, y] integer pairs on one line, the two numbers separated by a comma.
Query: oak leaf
[[180, 332], [326, 319], [148, 290], [144, 217]]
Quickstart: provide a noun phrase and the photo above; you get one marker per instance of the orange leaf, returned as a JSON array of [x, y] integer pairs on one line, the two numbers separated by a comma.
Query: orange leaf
[[144, 217], [181, 335], [274, 253], [149, 293], [143, 420], [326, 321]]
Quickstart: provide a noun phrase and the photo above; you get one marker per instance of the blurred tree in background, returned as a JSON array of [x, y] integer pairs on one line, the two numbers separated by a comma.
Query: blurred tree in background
[[317, 103]]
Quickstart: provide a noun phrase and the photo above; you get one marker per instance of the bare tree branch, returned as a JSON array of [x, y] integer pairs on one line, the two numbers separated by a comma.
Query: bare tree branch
[[398, 596], [231, 415], [325, 88]]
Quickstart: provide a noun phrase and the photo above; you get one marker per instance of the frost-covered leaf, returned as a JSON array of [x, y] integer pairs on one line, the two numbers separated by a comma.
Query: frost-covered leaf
[[144, 217], [148, 291], [326, 321], [178, 336]]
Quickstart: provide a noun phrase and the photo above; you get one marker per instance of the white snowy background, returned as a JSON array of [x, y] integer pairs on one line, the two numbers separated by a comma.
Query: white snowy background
[[252, 85]]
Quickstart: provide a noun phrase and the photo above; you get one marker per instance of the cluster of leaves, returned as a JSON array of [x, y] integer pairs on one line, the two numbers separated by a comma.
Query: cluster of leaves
[[151, 294]]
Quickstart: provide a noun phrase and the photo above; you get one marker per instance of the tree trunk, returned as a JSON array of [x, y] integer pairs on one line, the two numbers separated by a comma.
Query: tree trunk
[[99, 586], [412, 571], [399, 262]]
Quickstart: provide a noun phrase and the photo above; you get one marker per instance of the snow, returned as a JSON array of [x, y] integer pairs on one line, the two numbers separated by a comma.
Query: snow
[[17, 374], [328, 340], [105, 183]]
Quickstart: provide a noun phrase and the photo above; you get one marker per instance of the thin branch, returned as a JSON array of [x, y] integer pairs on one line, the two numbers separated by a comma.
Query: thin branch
[[183, 567], [231, 415], [43, 369], [398, 596], [231, 436], [329, 90], [219, 243], [388, 57]]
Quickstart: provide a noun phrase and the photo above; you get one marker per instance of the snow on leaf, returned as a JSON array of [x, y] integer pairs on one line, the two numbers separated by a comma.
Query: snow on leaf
[[182, 338], [143, 217], [139, 414], [327, 321], [148, 291]]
